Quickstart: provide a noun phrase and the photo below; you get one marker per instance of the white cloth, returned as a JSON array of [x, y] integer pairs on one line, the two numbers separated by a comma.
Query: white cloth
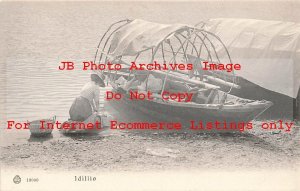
[[140, 35], [154, 84], [121, 81]]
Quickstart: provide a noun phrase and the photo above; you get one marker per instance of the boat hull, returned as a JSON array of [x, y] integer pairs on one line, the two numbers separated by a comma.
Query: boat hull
[[160, 111]]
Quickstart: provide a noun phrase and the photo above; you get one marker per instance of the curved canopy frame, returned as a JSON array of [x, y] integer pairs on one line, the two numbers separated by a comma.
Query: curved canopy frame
[[145, 42]]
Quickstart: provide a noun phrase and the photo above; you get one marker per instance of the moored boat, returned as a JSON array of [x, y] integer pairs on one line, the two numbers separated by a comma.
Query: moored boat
[[139, 41]]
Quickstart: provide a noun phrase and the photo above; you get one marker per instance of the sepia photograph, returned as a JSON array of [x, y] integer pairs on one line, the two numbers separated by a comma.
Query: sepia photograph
[[150, 95]]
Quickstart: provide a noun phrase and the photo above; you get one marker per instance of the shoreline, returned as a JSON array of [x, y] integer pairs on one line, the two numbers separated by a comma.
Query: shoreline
[[214, 126], [143, 151]]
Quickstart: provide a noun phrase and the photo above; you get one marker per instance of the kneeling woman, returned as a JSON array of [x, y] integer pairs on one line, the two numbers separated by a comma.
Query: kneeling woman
[[88, 101]]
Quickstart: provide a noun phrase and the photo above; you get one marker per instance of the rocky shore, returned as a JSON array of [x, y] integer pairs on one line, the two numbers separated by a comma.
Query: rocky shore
[[139, 151]]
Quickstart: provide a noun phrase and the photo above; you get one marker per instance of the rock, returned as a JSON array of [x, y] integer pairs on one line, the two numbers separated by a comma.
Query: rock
[[24, 156], [275, 132], [162, 152]]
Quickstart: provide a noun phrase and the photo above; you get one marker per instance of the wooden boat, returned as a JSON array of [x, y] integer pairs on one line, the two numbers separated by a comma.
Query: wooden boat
[[145, 42], [234, 109]]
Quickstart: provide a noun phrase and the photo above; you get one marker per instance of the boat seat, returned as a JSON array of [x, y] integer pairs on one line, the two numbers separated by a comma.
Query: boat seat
[[205, 96]]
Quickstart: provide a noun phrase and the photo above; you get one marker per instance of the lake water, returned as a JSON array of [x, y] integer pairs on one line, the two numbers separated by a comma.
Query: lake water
[[36, 37]]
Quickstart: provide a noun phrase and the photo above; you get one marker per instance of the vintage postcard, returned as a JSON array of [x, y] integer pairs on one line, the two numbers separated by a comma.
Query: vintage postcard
[[150, 95]]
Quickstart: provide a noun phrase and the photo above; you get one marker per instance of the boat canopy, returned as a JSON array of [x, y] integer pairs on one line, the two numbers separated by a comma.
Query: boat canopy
[[268, 51], [141, 35], [142, 41]]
